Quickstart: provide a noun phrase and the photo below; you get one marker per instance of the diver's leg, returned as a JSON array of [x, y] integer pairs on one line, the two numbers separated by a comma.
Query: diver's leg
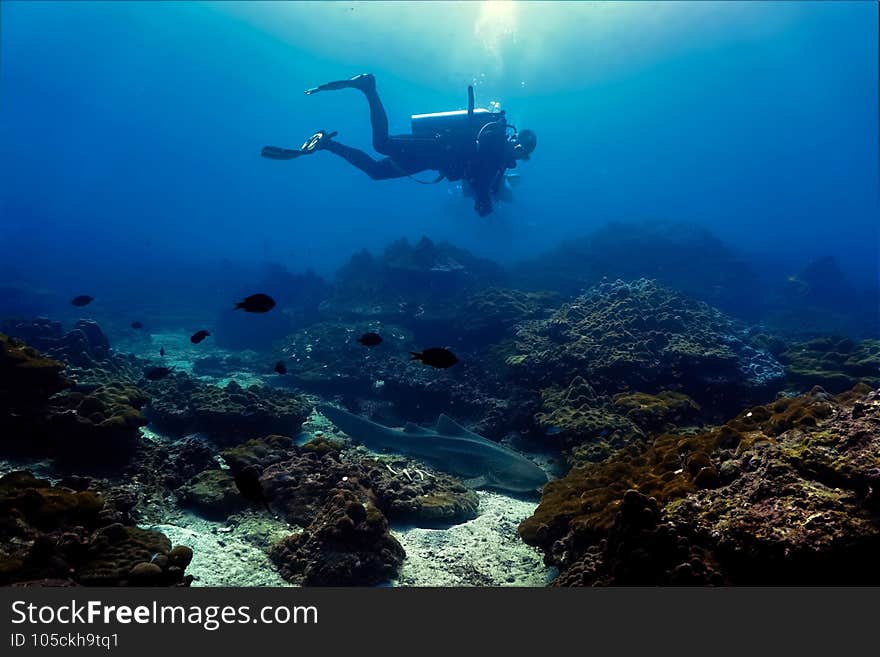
[[378, 120], [366, 82], [376, 169]]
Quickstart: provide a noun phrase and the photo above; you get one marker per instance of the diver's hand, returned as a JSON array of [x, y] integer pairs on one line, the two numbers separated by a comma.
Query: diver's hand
[[483, 208]]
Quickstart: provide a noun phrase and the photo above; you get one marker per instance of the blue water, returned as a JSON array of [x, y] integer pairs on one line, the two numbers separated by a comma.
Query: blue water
[[131, 132]]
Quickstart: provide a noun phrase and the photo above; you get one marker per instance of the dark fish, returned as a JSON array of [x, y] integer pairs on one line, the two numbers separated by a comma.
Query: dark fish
[[435, 357], [248, 483], [82, 300], [137, 325], [198, 336], [161, 351], [370, 339], [157, 373], [280, 367], [256, 303]]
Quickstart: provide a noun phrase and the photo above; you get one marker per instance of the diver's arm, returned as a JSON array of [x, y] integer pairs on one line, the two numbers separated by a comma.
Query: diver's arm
[[481, 186], [485, 172]]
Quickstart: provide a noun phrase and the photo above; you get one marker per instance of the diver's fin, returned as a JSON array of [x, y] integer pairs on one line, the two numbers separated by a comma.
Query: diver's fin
[[329, 86], [277, 153], [363, 82]]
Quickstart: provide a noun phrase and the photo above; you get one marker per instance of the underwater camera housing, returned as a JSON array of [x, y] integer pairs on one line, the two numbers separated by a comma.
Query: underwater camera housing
[[471, 123]]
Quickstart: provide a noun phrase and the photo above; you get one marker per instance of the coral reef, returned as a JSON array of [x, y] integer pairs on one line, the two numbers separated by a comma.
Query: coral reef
[[657, 413], [158, 468], [834, 363], [348, 544], [299, 487], [578, 418], [420, 287], [801, 508], [23, 497], [259, 452], [639, 550], [212, 494], [298, 481], [129, 556], [85, 350], [27, 381], [95, 429], [425, 270], [418, 496], [782, 493], [52, 533], [27, 378], [326, 359], [404, 491], [488, 314], [640, 336], [98, 428], [229, 414], [687, 465], [682, 256]]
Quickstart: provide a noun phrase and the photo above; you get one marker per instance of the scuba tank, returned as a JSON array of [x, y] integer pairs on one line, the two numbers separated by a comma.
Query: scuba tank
[[466, 124], [461, 128]]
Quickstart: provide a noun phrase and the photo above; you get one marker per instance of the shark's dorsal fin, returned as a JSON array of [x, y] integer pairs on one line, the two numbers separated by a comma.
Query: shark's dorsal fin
[[415, 429], [446, 425]]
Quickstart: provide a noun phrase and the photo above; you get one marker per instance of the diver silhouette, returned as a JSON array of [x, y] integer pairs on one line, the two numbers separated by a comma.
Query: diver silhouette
[[470, 145]]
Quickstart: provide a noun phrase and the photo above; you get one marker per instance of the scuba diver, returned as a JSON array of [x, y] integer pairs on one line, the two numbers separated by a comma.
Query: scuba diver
[[469, 145]]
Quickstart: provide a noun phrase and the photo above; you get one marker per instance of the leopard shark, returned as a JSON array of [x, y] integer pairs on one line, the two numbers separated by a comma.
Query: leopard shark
[[448, 446]]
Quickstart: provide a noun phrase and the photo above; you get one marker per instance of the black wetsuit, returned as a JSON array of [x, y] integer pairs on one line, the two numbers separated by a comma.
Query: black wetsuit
[[455, 159]]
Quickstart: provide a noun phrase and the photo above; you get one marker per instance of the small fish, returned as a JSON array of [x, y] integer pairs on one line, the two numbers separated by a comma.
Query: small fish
[[370, 339], [553, 431], [435, 357], [137, 325], [198, 336], [248, 483], [256, 303], [82, 300], [161, 351], [157, 373], [280, 367]]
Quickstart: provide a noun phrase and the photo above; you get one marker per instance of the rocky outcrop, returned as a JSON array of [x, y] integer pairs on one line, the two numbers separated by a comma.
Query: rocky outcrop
[[229, 414], [784, 493], [642, 337]]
